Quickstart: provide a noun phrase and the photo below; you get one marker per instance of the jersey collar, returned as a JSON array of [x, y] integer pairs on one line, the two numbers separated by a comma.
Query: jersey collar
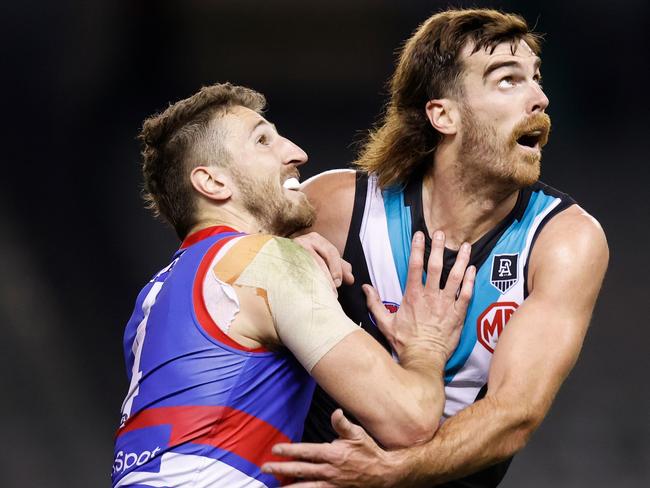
[[199, 235]]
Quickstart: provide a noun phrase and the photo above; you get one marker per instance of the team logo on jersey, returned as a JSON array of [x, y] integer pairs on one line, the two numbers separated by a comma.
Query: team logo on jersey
[[392, 307], [491, 322], [504, 271]]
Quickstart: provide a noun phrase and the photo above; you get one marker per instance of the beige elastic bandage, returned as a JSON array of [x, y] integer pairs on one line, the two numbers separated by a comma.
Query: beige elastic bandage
[[307, 317]]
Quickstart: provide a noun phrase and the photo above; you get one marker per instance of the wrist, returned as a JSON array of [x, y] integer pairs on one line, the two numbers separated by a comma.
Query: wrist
[[403, 468], [428, 355]]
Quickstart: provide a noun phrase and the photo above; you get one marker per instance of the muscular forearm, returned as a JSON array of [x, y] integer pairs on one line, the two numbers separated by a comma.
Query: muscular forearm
[[425, 368], [483, 434], [412, 401], [421, 375]]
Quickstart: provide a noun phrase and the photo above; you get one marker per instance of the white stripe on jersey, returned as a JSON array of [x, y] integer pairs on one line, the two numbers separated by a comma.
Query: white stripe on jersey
[[186, 470], [376, 246], [220, 298], [136, 374]]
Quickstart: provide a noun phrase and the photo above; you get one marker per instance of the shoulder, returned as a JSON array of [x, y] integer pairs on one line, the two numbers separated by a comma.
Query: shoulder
[[261, 254], [323, 186], [276, 253], [332, 195], [572, 242]]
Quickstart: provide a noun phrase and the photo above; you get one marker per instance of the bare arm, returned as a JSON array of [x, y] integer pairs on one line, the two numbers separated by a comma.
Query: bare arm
[[534, 354], [399, 403]]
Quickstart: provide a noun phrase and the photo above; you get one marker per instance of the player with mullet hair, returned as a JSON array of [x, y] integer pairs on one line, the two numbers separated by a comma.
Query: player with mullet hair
[[226, 342], [459, 149]]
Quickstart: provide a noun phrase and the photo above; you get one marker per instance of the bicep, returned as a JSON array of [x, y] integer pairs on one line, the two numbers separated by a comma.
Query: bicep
[[535, 353], [544, 337]]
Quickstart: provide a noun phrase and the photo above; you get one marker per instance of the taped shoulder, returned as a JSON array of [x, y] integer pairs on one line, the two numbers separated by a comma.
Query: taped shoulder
[[306, 314]]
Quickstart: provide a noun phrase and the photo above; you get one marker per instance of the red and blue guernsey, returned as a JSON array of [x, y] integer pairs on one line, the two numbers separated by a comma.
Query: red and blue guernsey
[[202, 410]]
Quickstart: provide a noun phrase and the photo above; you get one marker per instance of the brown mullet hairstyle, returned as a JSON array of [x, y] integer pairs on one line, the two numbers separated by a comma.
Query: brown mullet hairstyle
[[181, 138], [429, 68]]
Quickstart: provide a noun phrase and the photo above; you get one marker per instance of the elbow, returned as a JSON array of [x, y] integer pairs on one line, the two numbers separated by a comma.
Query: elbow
[[411, 429], [524, 421], [406, 436]]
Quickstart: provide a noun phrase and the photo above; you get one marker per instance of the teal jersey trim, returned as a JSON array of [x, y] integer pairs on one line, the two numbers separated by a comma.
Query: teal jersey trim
[[398, 218], [512, 241]]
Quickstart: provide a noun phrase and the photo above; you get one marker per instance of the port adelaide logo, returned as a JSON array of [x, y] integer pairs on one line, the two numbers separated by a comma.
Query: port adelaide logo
[[504, 271]]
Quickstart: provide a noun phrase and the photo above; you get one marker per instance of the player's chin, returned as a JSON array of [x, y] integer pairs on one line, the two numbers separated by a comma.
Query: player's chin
[[527, 172]]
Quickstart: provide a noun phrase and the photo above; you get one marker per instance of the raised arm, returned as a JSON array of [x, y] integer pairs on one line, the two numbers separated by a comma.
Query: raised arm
[[534, 354]]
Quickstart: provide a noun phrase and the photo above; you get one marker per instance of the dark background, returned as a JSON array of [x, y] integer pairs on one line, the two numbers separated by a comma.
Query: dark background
[[78, 78]]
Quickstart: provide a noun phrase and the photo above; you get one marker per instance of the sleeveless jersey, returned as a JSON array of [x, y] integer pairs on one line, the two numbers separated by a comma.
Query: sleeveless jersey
[[201, 410], [378, 247]]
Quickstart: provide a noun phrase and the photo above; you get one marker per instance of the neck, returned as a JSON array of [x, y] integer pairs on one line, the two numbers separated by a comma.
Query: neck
[[454, 203], [238, 221]]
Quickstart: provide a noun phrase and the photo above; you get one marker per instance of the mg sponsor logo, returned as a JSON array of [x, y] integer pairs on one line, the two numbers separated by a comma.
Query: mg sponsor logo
[[491, 322]]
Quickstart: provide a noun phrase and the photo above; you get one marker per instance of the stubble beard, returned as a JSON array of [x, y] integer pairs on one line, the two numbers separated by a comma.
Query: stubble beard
[[487, 161], [275, 213]]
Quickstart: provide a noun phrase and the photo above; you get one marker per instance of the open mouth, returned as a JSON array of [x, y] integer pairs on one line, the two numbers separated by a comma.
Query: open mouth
[[535, 138], [531, 139], [291, 183]]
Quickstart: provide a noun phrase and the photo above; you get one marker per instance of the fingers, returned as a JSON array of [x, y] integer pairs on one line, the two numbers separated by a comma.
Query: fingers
[[324, 268], [326, 253], [466, 290], [376, 306], [416, 262], [311, 484], [434, 266], [297, 469], [348, 277], [305, 451], [458, 270], [330, 255], [346, 429]]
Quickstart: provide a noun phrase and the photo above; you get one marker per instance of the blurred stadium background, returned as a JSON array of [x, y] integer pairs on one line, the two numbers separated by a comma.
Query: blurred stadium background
[[78, 79]]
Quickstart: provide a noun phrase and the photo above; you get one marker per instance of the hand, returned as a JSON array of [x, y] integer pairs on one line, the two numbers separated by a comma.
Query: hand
[[353, 460], [337, 269], [428, 314]]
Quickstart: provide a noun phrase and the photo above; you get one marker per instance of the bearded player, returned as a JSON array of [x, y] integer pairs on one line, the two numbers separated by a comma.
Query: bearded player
[[459, 149], [223, 340]]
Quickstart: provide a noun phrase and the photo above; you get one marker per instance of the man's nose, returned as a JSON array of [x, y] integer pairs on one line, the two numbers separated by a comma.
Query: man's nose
[[538, 101], [295, 155]]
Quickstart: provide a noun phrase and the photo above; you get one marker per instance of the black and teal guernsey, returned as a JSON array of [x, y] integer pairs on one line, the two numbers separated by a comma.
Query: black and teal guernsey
[[378, 246]]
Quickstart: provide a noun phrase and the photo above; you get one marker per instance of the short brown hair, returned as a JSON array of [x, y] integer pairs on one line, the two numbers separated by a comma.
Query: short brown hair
[[430, 67], [178, 140]]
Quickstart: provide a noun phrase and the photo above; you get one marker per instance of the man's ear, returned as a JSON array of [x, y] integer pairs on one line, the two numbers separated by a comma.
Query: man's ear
[[443, 115], [211, 182]]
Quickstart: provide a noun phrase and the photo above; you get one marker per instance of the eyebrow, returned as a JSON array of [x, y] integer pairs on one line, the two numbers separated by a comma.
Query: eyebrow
[[264, 122], [507, 64]]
